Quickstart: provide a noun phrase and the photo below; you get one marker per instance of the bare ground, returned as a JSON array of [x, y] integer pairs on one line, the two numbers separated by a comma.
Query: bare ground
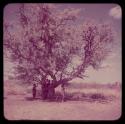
[[18, 108]]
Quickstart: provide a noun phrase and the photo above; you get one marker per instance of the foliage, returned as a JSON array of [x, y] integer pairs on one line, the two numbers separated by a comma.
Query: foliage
[[45, 42]]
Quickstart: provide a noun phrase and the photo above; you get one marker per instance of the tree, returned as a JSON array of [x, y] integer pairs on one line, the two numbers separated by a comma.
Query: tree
[[46, 42]]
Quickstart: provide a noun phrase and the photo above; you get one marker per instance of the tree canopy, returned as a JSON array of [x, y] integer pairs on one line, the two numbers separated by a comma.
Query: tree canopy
[[47, 42]]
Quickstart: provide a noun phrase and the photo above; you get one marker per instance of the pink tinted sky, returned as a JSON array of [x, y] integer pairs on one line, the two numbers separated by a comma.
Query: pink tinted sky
[[100, 12]]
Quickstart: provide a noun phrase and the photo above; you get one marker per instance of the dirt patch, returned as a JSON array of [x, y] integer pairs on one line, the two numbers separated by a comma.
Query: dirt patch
[[70, 110]]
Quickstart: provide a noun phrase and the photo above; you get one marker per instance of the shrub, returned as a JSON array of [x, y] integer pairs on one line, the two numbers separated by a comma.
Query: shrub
[[97, 96]]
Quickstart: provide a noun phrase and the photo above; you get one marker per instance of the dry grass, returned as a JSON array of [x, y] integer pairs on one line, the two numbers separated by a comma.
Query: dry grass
[[98, 103]]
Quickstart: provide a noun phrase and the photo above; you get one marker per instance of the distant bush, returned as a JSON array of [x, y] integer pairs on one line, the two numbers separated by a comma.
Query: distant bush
[[83, 85], [78, 96], [97, 96]]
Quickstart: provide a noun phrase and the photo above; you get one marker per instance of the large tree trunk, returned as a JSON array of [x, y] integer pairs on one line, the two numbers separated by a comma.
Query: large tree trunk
[[51, 92], [44, 91], [47, 91]]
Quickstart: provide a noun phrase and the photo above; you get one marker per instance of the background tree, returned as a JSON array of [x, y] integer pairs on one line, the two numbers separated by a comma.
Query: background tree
[[45, 42]]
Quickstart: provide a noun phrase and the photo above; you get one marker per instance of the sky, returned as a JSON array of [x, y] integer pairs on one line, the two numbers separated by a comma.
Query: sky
[[111, 71]]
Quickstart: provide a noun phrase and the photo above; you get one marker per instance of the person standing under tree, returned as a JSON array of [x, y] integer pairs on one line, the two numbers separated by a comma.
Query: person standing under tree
[[34, 91], [63, 92]]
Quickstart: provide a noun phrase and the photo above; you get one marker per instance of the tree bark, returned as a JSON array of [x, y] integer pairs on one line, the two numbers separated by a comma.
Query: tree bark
[[44, 91], [47, 91], [51, 92]]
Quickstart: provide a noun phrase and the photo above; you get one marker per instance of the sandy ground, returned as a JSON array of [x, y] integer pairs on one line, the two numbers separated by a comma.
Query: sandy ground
[[21, 109]]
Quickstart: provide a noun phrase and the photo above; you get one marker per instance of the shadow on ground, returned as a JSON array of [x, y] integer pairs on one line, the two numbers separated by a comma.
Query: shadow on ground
[[90, 97]]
